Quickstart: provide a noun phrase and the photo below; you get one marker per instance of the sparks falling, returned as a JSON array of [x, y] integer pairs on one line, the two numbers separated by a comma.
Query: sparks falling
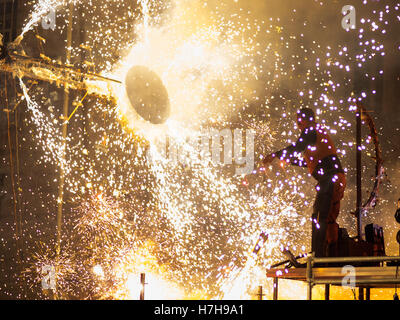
[[190, 227]]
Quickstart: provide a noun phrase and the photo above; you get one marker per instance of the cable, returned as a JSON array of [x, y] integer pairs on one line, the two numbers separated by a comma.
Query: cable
[[78, 105]]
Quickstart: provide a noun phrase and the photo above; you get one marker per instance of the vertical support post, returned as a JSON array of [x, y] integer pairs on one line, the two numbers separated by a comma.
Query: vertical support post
[[309, 277], [13, 33], [64, 134], [275, 294], [358, 178], [368, 293], [260, 293], [14, 194], [142, 283], [327, 291], [361, 293], [358, 168]]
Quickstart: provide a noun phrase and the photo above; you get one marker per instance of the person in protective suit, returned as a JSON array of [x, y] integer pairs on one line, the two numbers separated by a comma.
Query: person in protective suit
[[324, 165]]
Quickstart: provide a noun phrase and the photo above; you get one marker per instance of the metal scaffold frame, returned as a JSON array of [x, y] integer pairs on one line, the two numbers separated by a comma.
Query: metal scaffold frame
[[383, 276]]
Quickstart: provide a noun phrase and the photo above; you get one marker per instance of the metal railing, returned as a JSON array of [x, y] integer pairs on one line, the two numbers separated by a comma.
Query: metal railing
[[311, 261]]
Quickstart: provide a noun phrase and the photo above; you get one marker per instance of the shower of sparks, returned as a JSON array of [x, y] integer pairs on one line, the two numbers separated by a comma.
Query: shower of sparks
[[41, 8], [47, 129], [189, 226]]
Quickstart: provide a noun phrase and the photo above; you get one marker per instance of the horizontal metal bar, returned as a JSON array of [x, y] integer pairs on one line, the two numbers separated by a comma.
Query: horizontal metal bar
[[354, 259], [359, 282]]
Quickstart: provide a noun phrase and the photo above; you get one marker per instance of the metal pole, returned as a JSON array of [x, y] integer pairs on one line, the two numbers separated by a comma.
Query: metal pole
[[309, 277], [361, 293], [260, 293], [356, 259], [327, 291], [275, 294], [358, 167], [64, 134], [363, 282], [142, 283]]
